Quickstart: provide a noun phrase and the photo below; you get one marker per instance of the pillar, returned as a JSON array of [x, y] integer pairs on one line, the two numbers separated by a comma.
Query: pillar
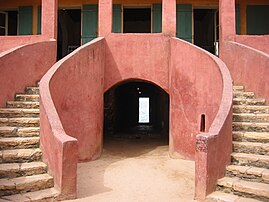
[[49, 18], [169, 17], [104, 17]]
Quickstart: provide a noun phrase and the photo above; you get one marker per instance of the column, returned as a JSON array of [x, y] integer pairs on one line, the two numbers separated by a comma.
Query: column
[[49, 18], [104, 17], [169, 17]]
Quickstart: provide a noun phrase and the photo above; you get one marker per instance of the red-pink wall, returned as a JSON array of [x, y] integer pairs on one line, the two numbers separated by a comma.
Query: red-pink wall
[[24, 66], [259, 42], [249, 67], [71, 114], [137, 56], [8, 42]]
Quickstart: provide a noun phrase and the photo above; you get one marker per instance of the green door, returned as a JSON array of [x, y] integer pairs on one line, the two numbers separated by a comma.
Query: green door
[[89, 22], [116, 26], [25, 15], [184, 22], [258, 19], [157, 18]]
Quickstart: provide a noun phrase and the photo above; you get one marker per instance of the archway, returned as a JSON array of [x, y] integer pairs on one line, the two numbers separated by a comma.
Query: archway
[[136, 109]]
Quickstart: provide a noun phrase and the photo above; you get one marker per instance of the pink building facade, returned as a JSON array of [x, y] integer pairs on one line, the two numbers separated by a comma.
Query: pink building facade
[[175, 47]]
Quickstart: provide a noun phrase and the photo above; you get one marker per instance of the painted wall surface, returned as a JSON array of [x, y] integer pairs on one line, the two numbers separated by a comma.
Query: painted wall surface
[[24, 66], [258, 42], [71, 113], [133, 56]]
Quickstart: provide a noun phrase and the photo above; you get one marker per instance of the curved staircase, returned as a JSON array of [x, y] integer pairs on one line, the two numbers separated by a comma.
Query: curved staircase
[[23, 175], [247, 178]]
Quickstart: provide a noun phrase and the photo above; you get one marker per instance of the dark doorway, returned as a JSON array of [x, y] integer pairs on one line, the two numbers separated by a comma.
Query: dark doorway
[[69, 31], [205, 29], [137, 20], [122, 118], [8, 23]]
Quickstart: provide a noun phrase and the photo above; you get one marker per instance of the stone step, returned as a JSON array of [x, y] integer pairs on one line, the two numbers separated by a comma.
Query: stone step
[[251, 136], [248, 173], [45, 195], [247, 117], [245, 101], [219, 196], [19, 142], [250, 127], [20, 155], [256, 190], [12, 170], [22, 104], [27, 97], [18, 112], [255, 160], [25, 184], [251, 147], [20, 122], [238, 88], [250, 109], [8, 131], [32, 90], [243, 94]]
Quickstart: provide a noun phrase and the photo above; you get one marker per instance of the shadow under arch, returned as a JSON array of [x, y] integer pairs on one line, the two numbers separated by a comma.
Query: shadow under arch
[[122, 116]]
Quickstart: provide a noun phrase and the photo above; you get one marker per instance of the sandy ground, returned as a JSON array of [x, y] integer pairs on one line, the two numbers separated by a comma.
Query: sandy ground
[[136, 170]]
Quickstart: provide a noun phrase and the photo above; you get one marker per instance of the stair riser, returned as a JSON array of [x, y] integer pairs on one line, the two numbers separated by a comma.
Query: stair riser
[[242, 194], [249, 102], [19, 123], [250, 128], [251, 110], [262, 150], [38, 185], [243, 95], [23, 105], [256, 119], [27, 99], [18, 115], [249, 162], [32, 91], [19, 145], [245, 139], [19, 173], [35, 157], [238, 88], [252, 178]]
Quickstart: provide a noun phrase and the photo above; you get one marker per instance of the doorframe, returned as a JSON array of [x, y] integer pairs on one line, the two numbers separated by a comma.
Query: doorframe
[[6, 22]]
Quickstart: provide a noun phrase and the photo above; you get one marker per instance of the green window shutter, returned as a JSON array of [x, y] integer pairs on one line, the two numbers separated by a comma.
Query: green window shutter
[[257, 19], [157, 18], [25, 20], [116, 23], [237, 17], [184, 22], [39, 21], [89, 22]]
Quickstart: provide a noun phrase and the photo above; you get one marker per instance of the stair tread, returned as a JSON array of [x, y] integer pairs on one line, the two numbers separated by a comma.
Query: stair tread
[[252, 114], [251, 156], [254, 188], [229, 197], [249, 170], [18, 141], [17, 182], [17, 167], [253, 135], [33, 196], [252, 144], [18, 110], [19, 153]]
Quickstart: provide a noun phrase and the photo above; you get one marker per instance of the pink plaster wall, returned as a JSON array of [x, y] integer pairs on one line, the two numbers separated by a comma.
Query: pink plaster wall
[[8, 42], [137, 56], [169, 17], [249, 67], [259, 42], [24, 66], [105, 17], [71, 113], [196, 88]]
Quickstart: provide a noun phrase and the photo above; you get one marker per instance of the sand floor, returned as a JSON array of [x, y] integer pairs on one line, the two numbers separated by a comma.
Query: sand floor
[[136, 170]]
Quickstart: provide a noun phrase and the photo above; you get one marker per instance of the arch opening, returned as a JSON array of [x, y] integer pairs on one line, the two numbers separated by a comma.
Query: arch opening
[[136, 110]]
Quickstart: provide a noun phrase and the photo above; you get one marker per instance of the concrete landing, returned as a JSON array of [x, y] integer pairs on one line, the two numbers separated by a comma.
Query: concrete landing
[[136, 170]]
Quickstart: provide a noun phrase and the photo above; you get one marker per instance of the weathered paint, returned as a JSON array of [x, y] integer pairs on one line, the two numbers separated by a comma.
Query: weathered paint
[[169, 17], [105, 17], [24, 66], [259, 42]]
